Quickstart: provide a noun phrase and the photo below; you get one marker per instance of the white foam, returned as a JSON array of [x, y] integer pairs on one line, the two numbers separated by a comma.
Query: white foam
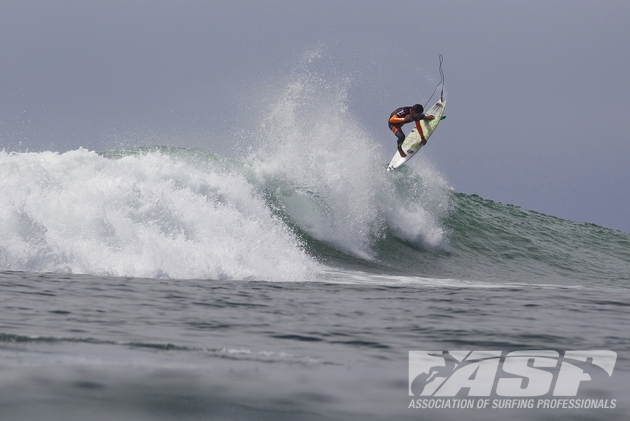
[[148, 215], [354, 277]]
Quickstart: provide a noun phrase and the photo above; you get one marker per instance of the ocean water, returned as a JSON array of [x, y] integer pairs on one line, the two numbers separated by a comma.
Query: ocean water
[[169, 283]]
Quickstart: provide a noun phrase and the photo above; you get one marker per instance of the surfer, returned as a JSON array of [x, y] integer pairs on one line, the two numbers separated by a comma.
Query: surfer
[[404, 115]]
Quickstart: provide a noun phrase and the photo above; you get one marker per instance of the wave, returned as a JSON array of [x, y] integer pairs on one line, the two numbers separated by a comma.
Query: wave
[[307, 191], [188, 213]]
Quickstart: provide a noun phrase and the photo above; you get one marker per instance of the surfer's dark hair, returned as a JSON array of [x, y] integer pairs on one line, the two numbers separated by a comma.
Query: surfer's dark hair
[[418, 109]]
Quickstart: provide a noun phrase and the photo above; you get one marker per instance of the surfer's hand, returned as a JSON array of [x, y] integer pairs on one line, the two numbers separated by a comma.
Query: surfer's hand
[[429, 117]]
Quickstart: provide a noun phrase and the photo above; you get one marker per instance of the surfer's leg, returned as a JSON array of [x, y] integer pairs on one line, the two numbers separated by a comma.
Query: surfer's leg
[[401, 138]]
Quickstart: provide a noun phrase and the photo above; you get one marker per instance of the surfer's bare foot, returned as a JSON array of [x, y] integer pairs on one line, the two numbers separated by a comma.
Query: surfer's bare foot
[[401, 152]]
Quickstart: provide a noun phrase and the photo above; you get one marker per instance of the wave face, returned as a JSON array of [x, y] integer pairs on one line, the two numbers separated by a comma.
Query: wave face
[[187, 213], [309, 193]]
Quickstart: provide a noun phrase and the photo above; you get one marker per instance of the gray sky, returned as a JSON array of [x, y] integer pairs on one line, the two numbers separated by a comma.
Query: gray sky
[[538, 96]]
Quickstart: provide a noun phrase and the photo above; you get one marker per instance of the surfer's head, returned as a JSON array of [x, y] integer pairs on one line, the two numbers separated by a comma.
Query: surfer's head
[[417, 109]]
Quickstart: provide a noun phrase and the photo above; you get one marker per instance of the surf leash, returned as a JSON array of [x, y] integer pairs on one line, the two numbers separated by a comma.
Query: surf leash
[[438, 85]]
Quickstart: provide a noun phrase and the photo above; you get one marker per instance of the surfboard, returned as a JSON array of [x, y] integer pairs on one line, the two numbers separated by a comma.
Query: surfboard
[[412, 145]]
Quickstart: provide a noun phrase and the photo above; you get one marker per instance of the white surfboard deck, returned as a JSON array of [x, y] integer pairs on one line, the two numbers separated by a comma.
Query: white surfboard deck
[[412, 145]]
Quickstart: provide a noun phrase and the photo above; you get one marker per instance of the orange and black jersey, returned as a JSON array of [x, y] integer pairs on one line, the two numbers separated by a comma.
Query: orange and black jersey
[[400, 117]]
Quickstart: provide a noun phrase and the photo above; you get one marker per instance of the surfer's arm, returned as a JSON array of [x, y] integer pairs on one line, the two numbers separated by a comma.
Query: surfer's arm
[[398, 120], [429, 117], [419, 128]]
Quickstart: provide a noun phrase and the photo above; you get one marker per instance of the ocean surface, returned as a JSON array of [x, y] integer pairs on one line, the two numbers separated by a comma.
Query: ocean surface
[[169, 283]]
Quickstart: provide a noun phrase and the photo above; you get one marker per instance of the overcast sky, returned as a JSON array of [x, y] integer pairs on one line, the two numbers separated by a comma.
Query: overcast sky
[[538, 92]]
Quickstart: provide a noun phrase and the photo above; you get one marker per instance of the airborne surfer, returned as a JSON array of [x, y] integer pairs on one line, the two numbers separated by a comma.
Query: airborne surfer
[[404, 115]]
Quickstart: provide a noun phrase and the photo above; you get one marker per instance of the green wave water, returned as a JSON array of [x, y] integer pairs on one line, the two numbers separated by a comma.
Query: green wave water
[[497, 240]]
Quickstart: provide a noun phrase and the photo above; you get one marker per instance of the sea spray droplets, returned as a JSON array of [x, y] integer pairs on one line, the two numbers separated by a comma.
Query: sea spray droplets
[[319, 165], [327, 174]]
